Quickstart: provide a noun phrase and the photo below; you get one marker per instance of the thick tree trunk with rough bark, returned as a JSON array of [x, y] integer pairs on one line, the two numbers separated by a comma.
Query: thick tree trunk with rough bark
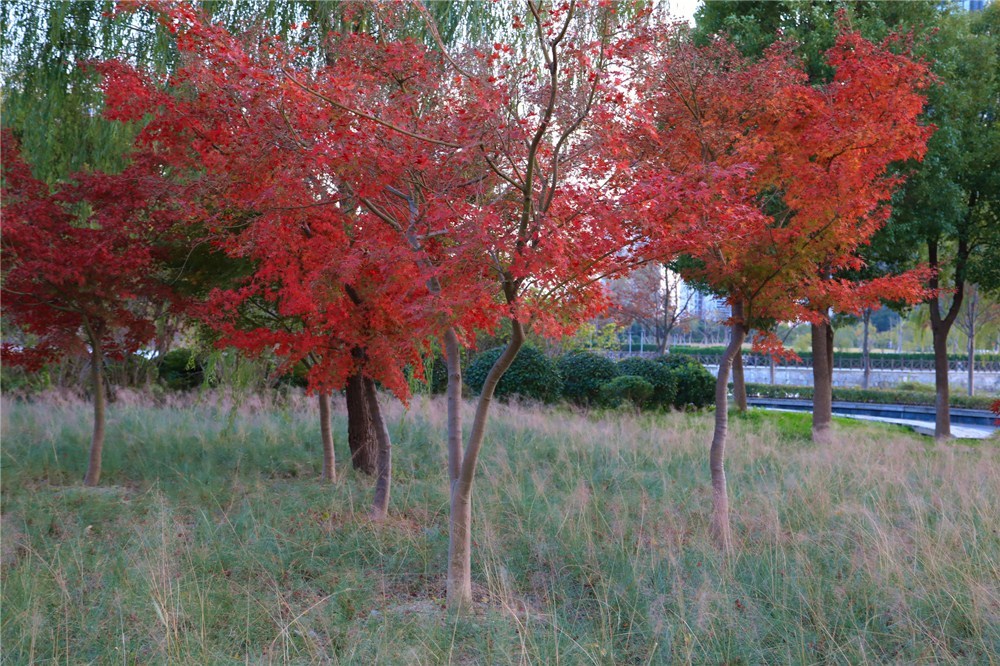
[[822, 348], [383, 482], [739, 382], [942, 410], [717, 455], [866, 361], [361, 437], [460, 524], [326, 434]]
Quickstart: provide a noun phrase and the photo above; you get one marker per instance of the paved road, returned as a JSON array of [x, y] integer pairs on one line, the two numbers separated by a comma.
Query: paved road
[[965, 424]]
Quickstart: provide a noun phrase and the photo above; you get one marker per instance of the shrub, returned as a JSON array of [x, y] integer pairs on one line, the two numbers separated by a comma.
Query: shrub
[[438, 375], [659, 375], [632, 388], [877, 396], [695, 384], [583, 374], [531, 375], [15, 379], [181, 369]]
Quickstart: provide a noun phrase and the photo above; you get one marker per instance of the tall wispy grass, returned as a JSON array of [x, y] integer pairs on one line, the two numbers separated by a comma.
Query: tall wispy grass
[[213, 540]]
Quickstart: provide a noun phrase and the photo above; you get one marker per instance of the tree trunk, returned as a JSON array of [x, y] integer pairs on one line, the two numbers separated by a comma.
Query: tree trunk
[[940, 327], [866, 361], [93, 476], [772, 371], [326, 434], [822, 348], [717, 455], [942, 411], [460, 523], [972, 359], [383, 482], [361, 436], [453, 360], [739, 383]]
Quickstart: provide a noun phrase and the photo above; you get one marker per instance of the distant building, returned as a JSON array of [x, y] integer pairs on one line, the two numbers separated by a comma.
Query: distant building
[[970, 5], [700, 305]]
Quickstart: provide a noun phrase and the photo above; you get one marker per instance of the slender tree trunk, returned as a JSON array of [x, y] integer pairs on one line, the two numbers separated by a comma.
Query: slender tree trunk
[[93, 476], [453, 360], [866, 361], [717, 455], [326, 434], [822, 348], [772, 371], [383, 482], [460, 524], [459, 583], [361, 436], [739, 383], [972, 361]]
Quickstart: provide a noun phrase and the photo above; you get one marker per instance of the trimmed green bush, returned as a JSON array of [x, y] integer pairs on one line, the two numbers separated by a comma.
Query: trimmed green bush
[[583, 374], [532, 375], [659, 375], [695, 384], [876, 396], [632, 388]]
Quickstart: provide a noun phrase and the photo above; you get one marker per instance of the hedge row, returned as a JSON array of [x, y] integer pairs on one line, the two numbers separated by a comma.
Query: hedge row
[[589, 379], [806, 356], [877, 396]]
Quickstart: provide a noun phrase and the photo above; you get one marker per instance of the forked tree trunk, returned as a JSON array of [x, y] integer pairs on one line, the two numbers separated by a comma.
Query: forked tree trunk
[[822, 348], [717, 456], [460, 524], [326, 434], [361, 437], [383, 482], [93, 476], [866, 361], [940, 327], [739, 382]]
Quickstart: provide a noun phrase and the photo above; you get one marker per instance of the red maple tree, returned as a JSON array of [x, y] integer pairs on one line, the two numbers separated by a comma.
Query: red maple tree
[[769, 186], [79, 260]]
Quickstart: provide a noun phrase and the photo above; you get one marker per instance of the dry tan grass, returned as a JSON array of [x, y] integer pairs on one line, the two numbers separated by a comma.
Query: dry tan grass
[[591, 537]]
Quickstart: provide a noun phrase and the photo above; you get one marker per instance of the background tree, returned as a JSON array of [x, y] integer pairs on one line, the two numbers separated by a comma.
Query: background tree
[[979, 313], [651, 296], [951, 203]]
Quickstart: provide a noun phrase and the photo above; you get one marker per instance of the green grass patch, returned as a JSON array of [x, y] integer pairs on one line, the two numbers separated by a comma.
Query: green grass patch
[[213, 541]]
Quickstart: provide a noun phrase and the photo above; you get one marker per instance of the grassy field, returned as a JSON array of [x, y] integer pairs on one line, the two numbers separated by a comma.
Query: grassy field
[[212, 541]]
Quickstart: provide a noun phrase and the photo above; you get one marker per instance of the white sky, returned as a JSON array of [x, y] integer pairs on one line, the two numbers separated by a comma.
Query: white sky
[[684, 9]]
